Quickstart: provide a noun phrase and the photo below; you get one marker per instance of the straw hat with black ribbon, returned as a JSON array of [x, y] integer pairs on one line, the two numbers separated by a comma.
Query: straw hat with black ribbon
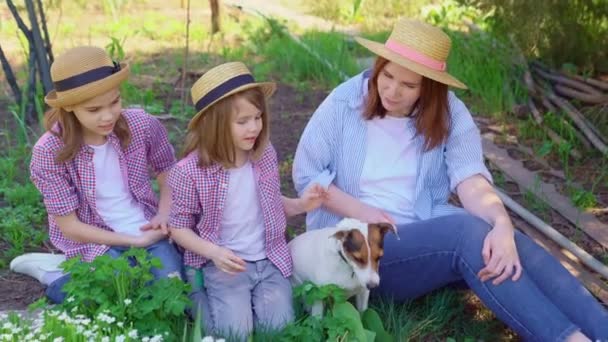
[[417, 46], [82, 73], [222, 81]]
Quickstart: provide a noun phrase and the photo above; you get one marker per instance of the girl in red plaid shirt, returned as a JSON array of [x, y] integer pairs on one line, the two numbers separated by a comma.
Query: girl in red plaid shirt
[[92, 168], [227, 207]]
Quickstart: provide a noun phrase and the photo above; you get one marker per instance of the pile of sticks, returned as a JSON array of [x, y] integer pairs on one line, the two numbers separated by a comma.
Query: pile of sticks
[[555, 91]]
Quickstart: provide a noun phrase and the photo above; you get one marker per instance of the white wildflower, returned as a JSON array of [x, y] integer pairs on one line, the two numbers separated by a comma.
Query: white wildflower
[[207, 339], [105, 339], [58, 339], [145, 339], [71, 299], [120, 324], [156, 338], [132, 334], [220, 340], [120, 338], [128, 301], [7, 325]]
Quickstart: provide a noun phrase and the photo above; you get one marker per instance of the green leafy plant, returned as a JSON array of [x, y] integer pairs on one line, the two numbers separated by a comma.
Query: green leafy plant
[[117, 289], [341, 321]]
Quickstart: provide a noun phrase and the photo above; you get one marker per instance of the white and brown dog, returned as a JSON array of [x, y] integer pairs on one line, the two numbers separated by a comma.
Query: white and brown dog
[[347, 255]]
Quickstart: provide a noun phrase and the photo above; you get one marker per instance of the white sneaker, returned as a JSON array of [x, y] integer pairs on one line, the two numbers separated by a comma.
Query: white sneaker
[[36, 265]]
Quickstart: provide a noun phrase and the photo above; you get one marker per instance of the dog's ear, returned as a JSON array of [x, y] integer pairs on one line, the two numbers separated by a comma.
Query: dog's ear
[[384, 227], [340, 235]]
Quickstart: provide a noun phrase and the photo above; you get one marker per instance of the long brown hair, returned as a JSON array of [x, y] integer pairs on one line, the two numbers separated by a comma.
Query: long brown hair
[[432, 119], [65, 125], [211, 135]]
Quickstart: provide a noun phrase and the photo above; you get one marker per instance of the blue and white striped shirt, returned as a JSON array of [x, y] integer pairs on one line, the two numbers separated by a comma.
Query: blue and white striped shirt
[[332, 150]]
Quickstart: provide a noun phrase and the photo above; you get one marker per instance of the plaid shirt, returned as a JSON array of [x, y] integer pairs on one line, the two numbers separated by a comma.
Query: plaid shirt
[[70, 186], [199, 197]]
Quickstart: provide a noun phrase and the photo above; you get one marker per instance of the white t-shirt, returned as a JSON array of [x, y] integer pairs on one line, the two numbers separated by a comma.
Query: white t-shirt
[[242, 227], [114, 201], [388, 179]]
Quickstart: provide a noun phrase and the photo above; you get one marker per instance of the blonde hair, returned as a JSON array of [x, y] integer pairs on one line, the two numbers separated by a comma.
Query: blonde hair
[[211, 135], [65, 125]]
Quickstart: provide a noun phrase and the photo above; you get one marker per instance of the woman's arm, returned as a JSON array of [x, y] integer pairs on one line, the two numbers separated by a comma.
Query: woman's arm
[[345, 205], [479, 198]]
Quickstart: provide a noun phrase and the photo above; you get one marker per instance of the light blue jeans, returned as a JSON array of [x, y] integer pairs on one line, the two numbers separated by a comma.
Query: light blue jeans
[[233, 305], [164, 250], [546, 304]]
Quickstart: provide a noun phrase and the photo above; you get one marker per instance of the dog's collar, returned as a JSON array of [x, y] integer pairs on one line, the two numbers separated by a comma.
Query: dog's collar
[[343, 257], [346, 262]]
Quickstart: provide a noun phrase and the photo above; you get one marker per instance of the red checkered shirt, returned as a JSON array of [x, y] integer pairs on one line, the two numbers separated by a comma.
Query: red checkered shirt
[[70, 186], [199, 197]]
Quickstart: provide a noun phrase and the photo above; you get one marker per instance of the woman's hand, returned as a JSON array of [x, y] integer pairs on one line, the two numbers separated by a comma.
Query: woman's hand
[[374, 215], [226, 260], [312, 198], [500, 254], [160, 221]]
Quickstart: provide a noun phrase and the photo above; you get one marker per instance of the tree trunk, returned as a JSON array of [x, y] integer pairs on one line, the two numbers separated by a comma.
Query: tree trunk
[[215, 16]]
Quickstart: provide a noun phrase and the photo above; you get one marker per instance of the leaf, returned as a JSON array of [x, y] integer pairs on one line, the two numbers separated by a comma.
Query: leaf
[[347, 312], [372, 321]]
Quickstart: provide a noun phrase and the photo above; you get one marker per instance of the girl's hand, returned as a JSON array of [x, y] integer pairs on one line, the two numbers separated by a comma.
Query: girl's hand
[[312, 198], [160, 221], [500, 254], [227, 261], [149, 237]]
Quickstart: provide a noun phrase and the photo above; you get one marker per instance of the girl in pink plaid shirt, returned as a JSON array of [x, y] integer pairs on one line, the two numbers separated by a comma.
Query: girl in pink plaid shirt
[[227, 207], [91, 167]]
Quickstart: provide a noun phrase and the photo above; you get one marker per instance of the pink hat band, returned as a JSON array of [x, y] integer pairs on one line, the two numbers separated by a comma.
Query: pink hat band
[[415, 56]]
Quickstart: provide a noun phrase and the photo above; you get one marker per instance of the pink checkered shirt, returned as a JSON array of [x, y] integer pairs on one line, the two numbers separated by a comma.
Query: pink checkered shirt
[[199, 196], [70, 186]]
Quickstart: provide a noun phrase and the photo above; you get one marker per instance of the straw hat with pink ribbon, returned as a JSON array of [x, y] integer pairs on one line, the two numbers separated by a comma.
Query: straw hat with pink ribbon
[[418, 46]]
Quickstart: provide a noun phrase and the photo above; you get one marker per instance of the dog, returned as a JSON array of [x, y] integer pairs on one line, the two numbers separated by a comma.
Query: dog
[[347, 255]]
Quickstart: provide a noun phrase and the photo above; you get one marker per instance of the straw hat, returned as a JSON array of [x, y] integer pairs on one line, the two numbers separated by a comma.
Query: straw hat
[[418, 46], [82, 73], [221, 82]]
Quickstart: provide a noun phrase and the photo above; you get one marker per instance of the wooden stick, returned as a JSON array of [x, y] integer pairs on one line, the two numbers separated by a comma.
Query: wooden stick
[[580, 86], [595, 98], [578, 120], [552, 135]]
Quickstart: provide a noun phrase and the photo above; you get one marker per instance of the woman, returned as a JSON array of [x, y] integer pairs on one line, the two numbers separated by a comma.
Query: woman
[[390, 145]]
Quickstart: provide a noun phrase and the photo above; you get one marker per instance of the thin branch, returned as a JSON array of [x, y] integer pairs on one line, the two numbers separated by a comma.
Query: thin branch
[[47, 38], [39, 48], [26, 31], [10, 76], [185, 63]]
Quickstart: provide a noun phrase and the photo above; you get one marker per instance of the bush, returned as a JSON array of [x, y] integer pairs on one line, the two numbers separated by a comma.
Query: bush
[[557, 31]]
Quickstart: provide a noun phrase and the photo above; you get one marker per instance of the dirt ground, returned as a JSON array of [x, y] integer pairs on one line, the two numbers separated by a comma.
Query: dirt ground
[[289, 115], [290, 110]]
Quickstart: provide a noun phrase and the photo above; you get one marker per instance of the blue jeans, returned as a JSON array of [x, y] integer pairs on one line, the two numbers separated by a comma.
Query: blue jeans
[[546, 304], [233, 305], [164, 250]]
